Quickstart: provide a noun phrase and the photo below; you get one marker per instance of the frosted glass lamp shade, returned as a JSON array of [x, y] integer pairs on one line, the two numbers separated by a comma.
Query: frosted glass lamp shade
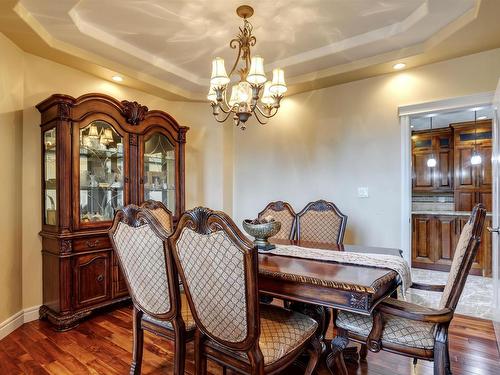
[[267, 97], [219, 75], [212, 96], [256, 75], [93, 133], [234, 95], [244, 92], [278, 86], [475, 159], [431, 162]]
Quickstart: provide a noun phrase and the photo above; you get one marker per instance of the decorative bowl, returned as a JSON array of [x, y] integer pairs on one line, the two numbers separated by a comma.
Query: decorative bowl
[[261, 232]]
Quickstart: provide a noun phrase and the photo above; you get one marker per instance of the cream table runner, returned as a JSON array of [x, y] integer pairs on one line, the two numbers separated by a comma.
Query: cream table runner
[[391, 262]]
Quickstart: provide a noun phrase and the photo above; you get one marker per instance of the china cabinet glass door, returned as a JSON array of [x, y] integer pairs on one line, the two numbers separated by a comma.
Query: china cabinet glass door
[[159, 170], [101, 172], [49, 172]]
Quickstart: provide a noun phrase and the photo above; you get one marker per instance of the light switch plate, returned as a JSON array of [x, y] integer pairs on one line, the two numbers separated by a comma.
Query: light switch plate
[[362, 192]]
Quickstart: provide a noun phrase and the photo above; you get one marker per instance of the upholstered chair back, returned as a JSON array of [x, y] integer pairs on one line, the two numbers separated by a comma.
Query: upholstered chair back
[[140, 244], [321, 221], [161, 213], [284, 213], [218, 267], [465, 252]]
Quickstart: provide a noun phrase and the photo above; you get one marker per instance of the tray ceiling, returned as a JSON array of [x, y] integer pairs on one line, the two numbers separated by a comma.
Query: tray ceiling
[[173, 42]]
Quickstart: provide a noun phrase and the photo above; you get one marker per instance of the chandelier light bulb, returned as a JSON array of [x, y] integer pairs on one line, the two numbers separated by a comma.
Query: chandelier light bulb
[[431, 162], [219, 75], [256, 75], [475, 159], [278, 85]]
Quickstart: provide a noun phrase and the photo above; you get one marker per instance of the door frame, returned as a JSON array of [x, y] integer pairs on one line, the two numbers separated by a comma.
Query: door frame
[[404, 113]]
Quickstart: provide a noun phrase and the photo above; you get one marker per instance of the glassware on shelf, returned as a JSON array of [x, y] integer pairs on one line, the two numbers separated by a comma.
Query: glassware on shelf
[[101, 172], [50, 186], [159, 170]]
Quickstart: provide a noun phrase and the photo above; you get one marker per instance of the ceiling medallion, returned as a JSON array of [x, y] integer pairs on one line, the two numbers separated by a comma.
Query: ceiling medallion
[[252, 86]]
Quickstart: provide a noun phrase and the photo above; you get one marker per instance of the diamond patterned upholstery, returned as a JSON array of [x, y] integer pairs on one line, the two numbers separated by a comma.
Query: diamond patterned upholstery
[[397, 330], [164, 218], [185, 313], [286, 218], [458, 259], [320, 226], [214, 273], [281, 332], [142, 258]]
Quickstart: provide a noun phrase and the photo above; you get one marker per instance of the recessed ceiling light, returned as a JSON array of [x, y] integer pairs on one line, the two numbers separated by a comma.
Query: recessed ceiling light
[[481, 118], [399, 66], [412, 126], [432, 115], [117, 78], [476, 109]]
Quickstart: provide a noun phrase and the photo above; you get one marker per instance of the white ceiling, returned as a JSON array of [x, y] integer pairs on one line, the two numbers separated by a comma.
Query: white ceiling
[[175, 40]]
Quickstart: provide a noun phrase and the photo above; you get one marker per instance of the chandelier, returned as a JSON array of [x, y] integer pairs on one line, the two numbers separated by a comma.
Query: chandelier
[[253, 85]]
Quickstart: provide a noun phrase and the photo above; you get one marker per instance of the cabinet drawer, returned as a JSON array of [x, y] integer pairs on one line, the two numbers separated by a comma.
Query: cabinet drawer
[[91, 243], [91, 279]]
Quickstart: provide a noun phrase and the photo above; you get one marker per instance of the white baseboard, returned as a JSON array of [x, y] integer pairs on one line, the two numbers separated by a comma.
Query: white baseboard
[[18, 319]]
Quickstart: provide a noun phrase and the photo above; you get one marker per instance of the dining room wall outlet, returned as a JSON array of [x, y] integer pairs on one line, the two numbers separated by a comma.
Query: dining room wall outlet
[[362, 192]]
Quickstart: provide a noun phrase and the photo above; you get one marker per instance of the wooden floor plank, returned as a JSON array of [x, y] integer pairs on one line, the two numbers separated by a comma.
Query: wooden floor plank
[[103, 345]]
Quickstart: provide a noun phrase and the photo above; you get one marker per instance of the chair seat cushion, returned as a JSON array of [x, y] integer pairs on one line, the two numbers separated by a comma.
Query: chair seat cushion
[[281, 332], [186, 316], [397, 330]]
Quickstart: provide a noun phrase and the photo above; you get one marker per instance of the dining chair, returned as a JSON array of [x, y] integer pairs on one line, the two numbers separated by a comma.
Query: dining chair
[[160, 212], [284, 213], [140, 245], [409, 329], [219, 269], [321, 221]]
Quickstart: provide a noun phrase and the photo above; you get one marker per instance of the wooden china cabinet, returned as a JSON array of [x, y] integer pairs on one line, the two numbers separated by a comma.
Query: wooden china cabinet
[[98, 154]]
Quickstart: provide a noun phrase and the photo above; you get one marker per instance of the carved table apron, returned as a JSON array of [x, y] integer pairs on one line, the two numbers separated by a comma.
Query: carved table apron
[[346, 287]]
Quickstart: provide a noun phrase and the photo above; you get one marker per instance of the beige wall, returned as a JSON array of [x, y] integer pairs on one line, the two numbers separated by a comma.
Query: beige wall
[[327, 143], [11, 101]]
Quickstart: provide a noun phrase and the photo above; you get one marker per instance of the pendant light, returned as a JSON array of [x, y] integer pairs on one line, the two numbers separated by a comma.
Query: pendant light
[[431, 162], [476, 158]]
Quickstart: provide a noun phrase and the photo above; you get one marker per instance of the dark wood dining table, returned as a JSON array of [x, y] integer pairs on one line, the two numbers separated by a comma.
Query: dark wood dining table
[[340, 286]]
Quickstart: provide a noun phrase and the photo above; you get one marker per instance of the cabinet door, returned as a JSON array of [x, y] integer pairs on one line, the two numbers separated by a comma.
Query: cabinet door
[[443, 175], [100, 172], [485, 197], [159, 157], [465, 200], [484, 171], [91, 279], [422, 240], [445, 239], [464, 171], [423, 176], [485, 250]]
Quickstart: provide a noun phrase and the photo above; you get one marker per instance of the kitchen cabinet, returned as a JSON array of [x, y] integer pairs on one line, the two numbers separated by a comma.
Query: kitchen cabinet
[[435, 237], [439, 145]]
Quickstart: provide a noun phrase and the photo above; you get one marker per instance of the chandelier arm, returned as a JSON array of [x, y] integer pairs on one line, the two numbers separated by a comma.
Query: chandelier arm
[[256, 113], [227, 114], [257, 109], [232, 45]]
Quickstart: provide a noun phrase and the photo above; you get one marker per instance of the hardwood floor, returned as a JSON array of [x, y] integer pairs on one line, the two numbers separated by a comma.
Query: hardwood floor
[[102, 345]]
